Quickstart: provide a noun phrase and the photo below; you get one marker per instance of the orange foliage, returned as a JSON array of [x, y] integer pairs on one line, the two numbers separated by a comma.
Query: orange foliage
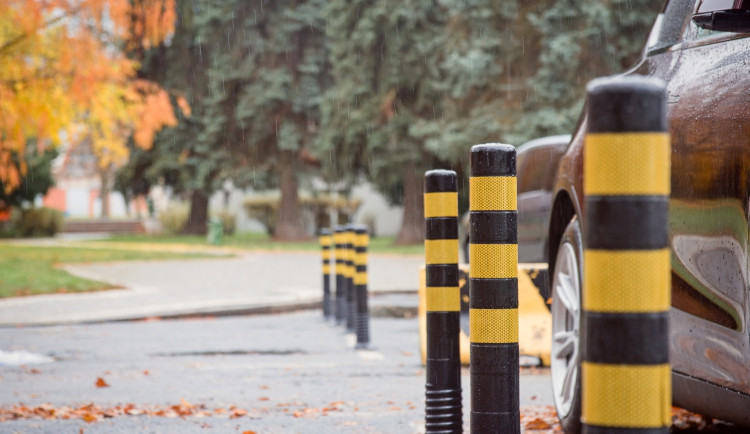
[[61, 71]]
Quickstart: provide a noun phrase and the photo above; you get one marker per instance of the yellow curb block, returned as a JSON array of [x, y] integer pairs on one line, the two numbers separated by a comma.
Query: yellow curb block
[[534, 319]]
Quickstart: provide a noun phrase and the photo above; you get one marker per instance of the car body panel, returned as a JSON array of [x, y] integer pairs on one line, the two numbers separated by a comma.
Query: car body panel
[[708, 84], [537, 161]]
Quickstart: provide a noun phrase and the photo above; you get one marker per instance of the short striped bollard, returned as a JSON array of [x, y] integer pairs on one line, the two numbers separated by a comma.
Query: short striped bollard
[[351, 306], [338, 239], [443, 409], [325, 245], [362, 319], [493, 305]]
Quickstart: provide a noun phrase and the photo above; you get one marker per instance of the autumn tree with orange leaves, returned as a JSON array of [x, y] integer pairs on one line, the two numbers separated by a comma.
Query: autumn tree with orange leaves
[[68, 73]]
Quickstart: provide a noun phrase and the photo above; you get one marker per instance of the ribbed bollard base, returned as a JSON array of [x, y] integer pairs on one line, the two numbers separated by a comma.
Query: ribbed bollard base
[[351, 314], [340, 310], [443, 411], [363, 330], [327, 306]]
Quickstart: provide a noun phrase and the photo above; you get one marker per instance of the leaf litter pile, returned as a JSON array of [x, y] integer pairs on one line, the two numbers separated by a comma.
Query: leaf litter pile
[[94, 413], [538, 420]]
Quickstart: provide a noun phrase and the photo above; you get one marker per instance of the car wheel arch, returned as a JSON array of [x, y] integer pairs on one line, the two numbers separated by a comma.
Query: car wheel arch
[[562, 213]]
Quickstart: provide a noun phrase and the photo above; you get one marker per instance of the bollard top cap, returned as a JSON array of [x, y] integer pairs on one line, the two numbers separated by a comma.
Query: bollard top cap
[[623, 104], [493, 159], [339, 229], [324, 231], [440, 180], [361, 229]]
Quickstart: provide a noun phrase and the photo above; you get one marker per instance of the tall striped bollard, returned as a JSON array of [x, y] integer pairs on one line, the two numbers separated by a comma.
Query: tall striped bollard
[[443, 409], [362, 320], [493, 305], [325, 245], [351, 307], [338, 240], [626, 379]]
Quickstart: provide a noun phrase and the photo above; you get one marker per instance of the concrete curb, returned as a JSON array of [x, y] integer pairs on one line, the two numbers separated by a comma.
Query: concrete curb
[[380, 309]]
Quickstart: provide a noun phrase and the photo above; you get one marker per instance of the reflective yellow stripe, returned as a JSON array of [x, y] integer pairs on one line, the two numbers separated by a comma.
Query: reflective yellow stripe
[[325, 240], [326, 269], [493, 261], [626, 164], [326, 254], [626, 280], [441, 251], [626, 396], [492, 193], [443, 299], [360, 278], [360, 258], [443, 204], [361, 240], [340, 253], [493, 326]]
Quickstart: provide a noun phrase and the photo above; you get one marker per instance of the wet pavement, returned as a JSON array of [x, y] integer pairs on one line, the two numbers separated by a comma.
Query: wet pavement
[[290, 372]]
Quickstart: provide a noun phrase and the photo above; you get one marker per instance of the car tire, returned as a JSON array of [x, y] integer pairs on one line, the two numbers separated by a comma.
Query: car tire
[[565, 364]]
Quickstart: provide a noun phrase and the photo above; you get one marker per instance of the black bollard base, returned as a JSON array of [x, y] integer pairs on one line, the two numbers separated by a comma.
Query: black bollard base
[[363, 330], [443, 411]]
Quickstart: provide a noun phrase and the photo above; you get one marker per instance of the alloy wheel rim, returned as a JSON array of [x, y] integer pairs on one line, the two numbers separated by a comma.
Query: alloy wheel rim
[[566, 314]]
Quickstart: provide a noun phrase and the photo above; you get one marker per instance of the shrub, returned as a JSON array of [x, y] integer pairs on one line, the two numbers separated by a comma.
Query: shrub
[[9, 228], [228, 220], [266, 209], [174, 219], [40, 222]]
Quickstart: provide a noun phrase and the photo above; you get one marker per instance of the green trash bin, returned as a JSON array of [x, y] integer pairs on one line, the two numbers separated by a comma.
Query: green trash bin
[[215, 233]]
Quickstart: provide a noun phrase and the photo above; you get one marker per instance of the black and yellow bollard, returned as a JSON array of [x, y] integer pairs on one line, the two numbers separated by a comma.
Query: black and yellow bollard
[[325, 245], [626, 379], [339, 240], [351, 304], [362, 319], [493, 278], [443, 409]]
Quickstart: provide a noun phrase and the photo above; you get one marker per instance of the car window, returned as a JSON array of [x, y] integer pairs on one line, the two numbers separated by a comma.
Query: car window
[[670, 24]]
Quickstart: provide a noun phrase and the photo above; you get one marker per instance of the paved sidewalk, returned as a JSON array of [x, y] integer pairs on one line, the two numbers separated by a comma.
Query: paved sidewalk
[[251, 282]]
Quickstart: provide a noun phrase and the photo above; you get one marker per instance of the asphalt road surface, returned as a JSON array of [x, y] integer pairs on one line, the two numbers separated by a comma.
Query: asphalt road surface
[[274, 373]]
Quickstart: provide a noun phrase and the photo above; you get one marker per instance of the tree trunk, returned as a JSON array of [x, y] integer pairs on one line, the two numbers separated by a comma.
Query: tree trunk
[[198, 216], [412, 225], [104, 192], [288, 223]]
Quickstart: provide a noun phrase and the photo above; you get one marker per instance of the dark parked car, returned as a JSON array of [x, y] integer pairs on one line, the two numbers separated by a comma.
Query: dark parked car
[[536, 165], [699, 49]]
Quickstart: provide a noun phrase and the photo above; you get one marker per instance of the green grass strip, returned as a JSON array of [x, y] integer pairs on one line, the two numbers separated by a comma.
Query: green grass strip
[[30, 270]]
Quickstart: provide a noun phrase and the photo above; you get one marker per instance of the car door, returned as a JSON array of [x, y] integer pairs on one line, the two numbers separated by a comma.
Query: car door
[[709, 115]]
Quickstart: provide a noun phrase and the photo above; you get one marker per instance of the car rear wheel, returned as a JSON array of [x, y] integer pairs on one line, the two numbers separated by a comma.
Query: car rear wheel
[[566, 327]]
